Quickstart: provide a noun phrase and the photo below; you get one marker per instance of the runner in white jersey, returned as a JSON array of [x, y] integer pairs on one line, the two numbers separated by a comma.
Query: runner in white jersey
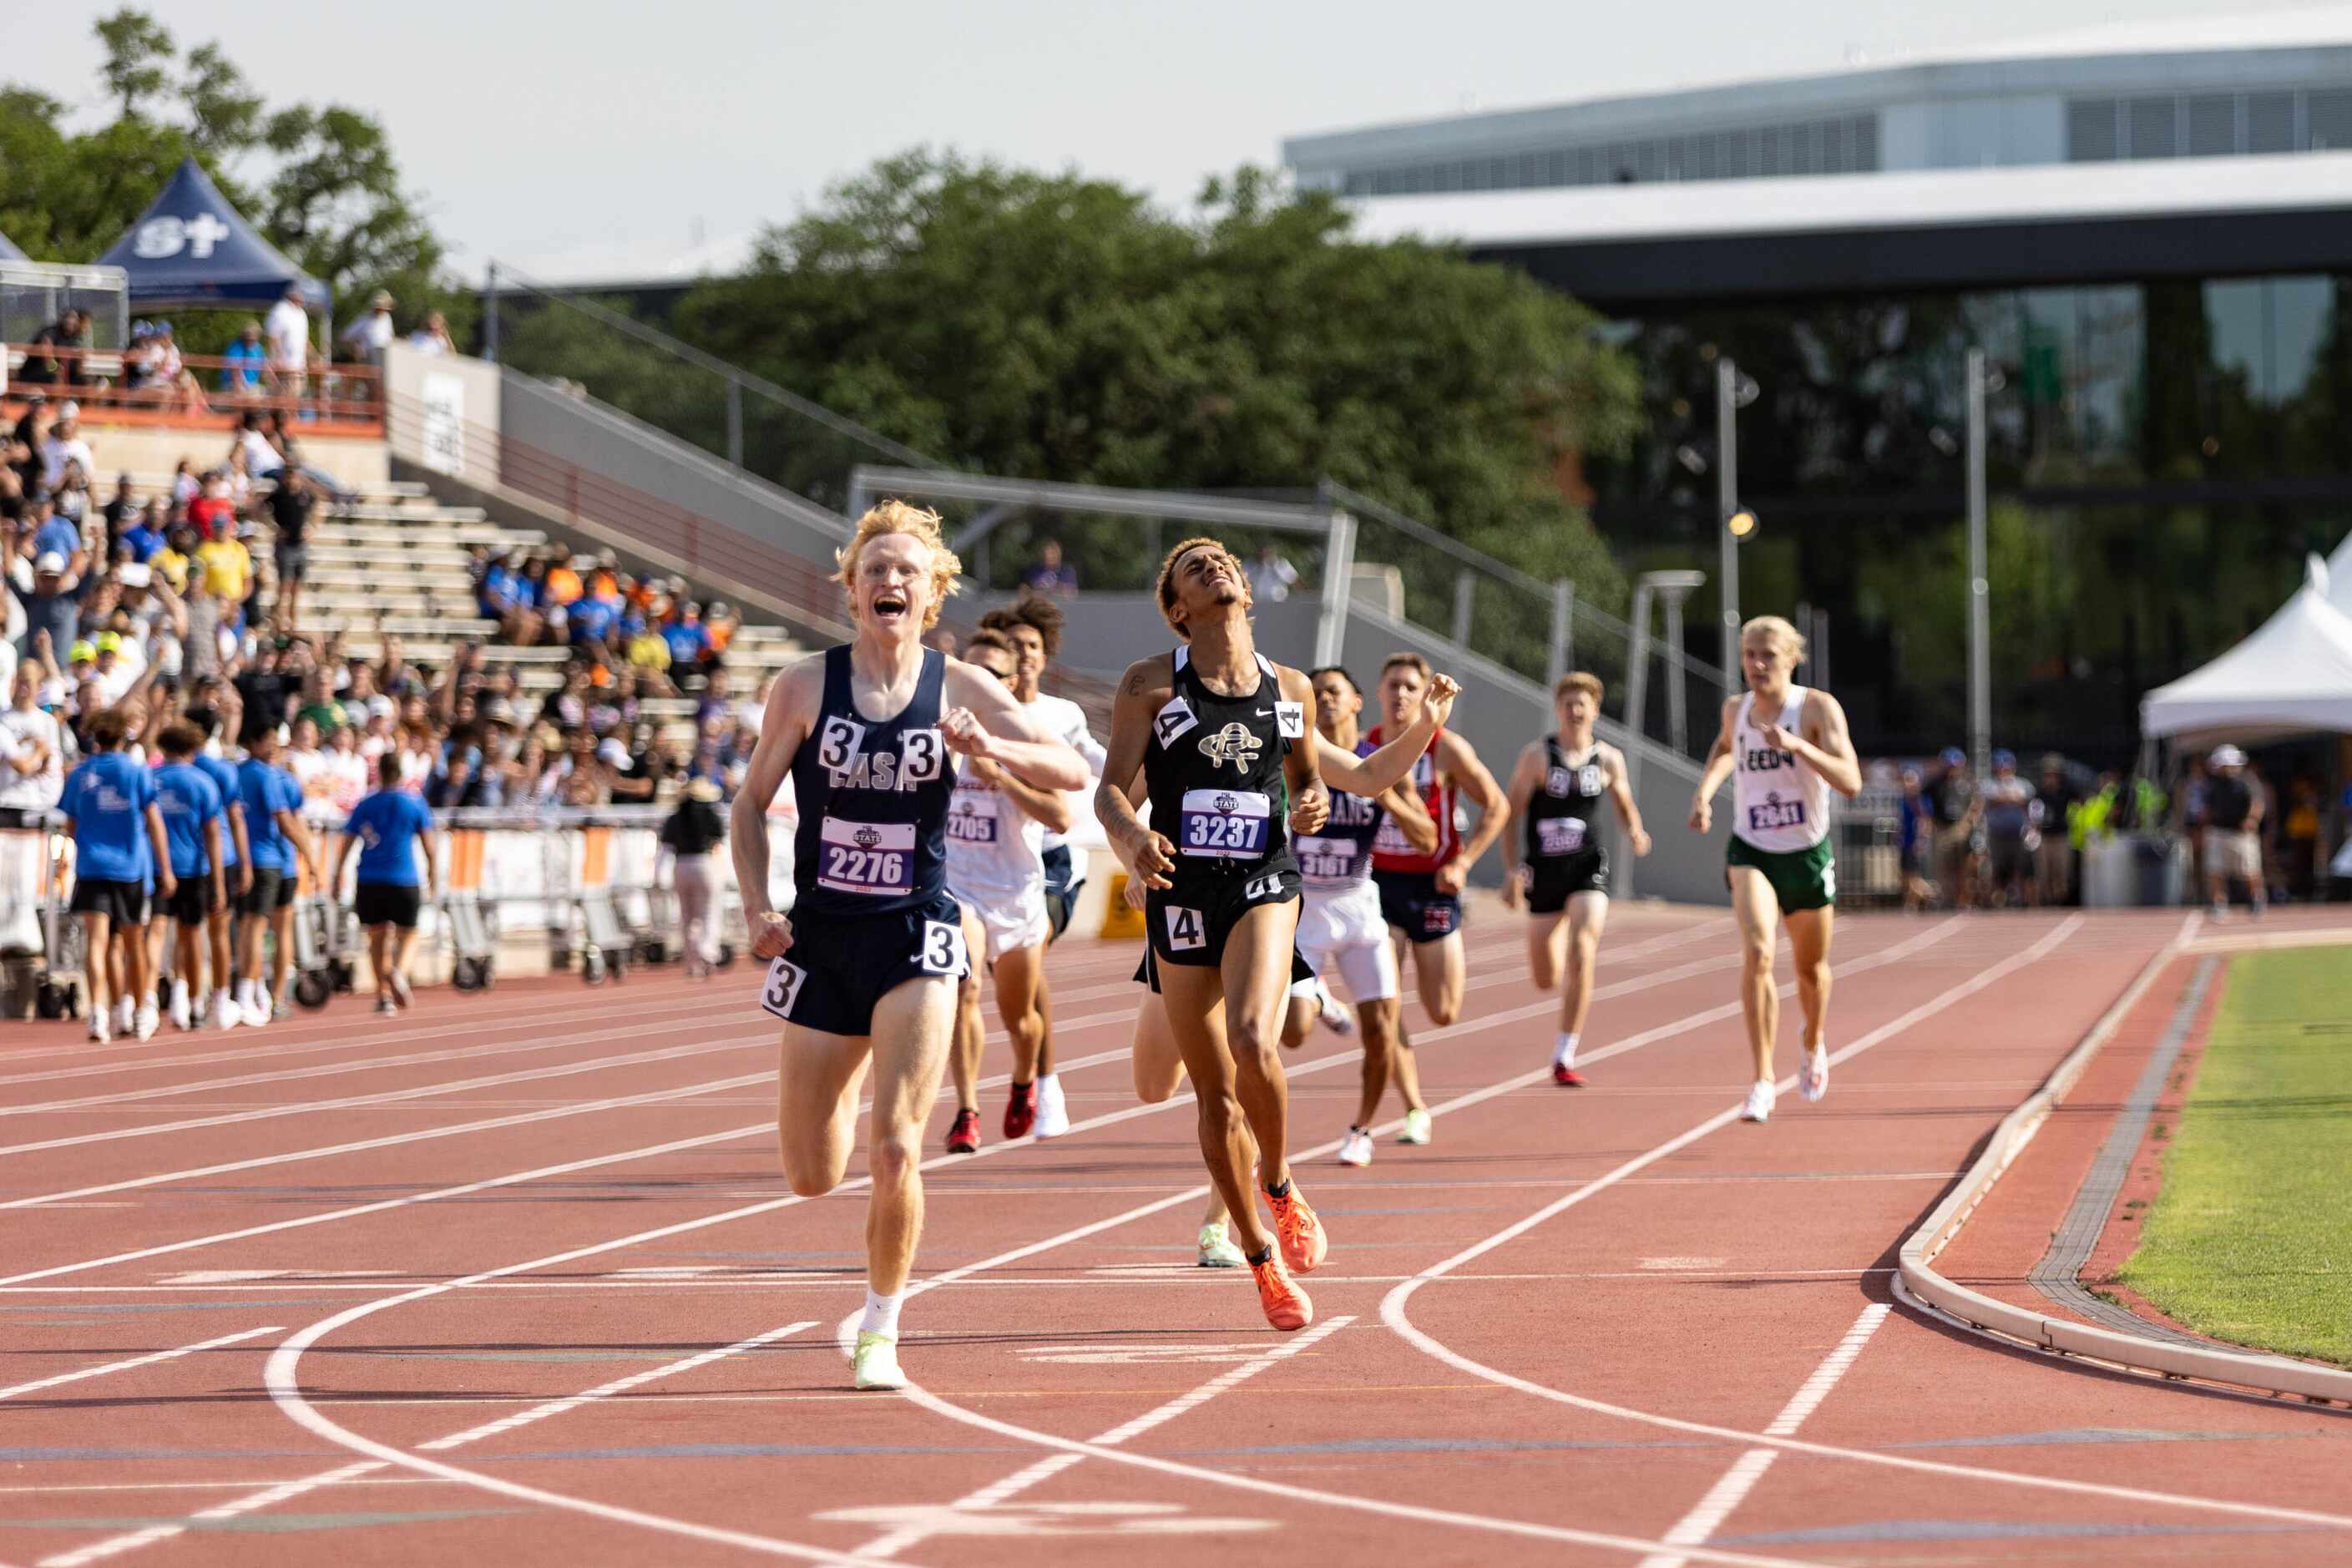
[[1785, 749], [996, 869], [1035, 624], [1341, 931]]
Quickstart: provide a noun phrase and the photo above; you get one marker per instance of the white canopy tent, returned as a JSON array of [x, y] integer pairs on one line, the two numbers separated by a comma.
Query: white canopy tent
[[2292, 676], [2339, 576]]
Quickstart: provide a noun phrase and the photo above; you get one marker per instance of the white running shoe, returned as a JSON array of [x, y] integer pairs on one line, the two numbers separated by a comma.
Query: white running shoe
[[98, 1032], [180, 1017], [1758, 1107], [1052, 1109], [143, 1022], [257, 1006], [1217, 1248], [876, 1363], [226, 1013], [1356, 1148], [401, 993], [126, 1014], [1335, 1018], [1814, 1081], [1415, 1129]]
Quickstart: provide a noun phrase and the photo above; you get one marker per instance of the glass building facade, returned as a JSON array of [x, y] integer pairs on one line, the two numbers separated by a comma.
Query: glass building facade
[[2160, 456]]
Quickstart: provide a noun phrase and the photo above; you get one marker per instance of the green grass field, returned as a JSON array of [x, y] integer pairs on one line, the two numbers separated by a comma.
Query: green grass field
[[2251, 1237]]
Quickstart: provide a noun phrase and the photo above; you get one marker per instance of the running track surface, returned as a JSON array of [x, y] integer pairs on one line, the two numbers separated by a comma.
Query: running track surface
[[513, 1278]]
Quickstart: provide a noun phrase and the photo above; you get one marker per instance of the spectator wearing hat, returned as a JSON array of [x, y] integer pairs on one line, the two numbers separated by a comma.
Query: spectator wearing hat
[[372, 333], [64, 445], [2233, 820], [54, 602], [2010, 841]]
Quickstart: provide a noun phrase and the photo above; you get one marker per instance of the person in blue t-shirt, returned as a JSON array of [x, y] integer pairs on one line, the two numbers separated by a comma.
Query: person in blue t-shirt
[[236, 866], [388, 828], [193, 813], [118, 842], [274, 832]]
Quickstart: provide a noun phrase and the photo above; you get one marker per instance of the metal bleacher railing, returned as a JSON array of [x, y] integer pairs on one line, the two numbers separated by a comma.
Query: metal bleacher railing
[[346, 398]]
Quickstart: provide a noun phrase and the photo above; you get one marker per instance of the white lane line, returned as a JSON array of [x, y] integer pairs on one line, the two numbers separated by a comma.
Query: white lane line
[[538, 1412], [148, 1360], [1021, 1480], [1698, 1526], [1392, 1312], [284, 1491], [283, 1377], [762, 1129]]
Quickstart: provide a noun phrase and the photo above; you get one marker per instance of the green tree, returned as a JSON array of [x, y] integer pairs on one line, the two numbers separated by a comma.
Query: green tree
[[1027, 323], [322, 185]]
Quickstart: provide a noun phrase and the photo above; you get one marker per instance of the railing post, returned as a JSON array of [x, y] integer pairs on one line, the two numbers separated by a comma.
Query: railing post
[[491, 313], [1338, 567], [735, 422], [1562, 652], [1466, 592], [1637, 698]]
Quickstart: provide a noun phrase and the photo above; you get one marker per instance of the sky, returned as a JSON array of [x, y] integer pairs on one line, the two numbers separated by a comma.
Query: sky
[[601, 139]]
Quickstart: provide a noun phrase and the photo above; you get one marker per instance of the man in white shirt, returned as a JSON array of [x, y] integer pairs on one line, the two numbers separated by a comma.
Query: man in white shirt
[[64, 445], [1271, 577], [372, 332], [287, 330], [32, 758]]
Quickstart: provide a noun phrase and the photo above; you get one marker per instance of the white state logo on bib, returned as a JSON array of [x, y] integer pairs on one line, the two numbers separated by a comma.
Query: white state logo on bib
[[876, 859]]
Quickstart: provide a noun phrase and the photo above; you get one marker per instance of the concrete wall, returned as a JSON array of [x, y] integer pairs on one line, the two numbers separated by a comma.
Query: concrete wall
[[445, 414], [155, 451], [626, 452], [1107, 632]]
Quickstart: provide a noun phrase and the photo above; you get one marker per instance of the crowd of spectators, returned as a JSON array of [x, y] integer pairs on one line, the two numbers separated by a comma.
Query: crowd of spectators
[[154, 604]]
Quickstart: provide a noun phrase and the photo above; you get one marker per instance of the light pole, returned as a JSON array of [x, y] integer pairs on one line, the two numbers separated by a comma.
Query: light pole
[[1979, 584], [1673, 587], [1732, 392]]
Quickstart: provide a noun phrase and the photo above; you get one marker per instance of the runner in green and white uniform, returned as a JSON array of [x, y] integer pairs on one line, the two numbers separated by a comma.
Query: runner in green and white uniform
[[1784, 748]]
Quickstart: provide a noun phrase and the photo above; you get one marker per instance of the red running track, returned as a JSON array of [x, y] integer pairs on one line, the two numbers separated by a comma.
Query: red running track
[[514, 1277]]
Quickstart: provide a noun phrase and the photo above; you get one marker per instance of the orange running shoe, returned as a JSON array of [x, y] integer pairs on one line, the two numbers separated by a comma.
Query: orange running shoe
[[1287, 1305], [1304, 1245]]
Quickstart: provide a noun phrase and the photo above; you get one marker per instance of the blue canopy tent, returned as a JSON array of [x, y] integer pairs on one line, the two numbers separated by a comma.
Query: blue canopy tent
[[191, 248]]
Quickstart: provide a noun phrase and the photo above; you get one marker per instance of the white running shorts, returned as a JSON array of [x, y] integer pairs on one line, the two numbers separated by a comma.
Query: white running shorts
[[1344, 934], [1009, 924]]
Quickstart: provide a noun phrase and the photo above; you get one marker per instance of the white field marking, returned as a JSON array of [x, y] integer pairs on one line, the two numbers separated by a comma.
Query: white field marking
[[1021, 1480], [1392, 1313], [276, 1492], [1696, 1527], [219, 1486], [117, 1545], [539, 1022], [149, 1360], [538, 1412], [283, 1377], [760, 1128]]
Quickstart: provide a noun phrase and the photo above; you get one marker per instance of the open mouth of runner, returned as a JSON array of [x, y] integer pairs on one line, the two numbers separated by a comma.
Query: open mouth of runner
[[891, 606]]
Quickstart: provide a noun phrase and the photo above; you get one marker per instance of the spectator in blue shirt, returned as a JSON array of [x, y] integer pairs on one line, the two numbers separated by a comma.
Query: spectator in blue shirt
[[688, 638], [274, 832], [248, 361], [192, 810], [237, 864], [1915, 842], [593, 620], [145, 535], [387, 827], [118, 842], [54, 536]]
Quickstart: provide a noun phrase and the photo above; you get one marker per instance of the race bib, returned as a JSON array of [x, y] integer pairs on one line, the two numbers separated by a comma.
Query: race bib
[[783, 987], [1775, 814], [972, 816], [1560, 835], [1224, 824], [1325, 862], [874, 858]]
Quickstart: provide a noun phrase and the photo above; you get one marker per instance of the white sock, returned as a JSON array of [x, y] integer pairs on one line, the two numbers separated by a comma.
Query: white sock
[[881, 1314], [1563, 1049], [1049, 1089]]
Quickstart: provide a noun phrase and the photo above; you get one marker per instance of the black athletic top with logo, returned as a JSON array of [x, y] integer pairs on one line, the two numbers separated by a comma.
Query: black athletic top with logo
[[1214, 771], [1559, 815], [873, 799]]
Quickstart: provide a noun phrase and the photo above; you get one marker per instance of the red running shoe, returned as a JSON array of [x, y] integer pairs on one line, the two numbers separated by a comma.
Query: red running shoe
[[1566, 1076], [1287, 1305], [1021, 1111], [963, 1138], [1304, 1245]]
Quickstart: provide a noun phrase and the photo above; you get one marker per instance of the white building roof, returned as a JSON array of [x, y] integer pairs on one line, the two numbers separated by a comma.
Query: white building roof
[[1926, 198]]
